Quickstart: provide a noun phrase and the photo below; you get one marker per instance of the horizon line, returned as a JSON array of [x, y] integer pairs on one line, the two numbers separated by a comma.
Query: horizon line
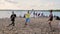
[[24, 10]]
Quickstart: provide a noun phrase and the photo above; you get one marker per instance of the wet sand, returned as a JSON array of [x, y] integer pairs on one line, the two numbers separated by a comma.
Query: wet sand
[[36, 26]]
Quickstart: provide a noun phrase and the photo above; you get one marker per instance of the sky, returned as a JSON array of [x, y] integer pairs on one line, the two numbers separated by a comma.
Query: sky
[[30, 4]]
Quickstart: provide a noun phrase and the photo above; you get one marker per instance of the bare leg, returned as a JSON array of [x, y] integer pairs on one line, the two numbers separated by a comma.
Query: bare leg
[[25, 24], [9, 25], [50, 25], [13, 24]]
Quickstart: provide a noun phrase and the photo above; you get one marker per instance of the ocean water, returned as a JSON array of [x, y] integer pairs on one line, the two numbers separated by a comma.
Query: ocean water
[[6, 14]]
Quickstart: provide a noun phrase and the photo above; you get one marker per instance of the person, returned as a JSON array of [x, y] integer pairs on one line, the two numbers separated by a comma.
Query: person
[[50, 19], [42, 14], [34, 14], [24, 16], [27, 16], [38, 14], [57, 18], [12, 17]]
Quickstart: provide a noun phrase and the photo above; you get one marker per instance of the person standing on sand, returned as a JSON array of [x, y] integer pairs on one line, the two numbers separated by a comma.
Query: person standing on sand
[[12, 17], [50, 19], [38, 14], [34, 14], [27, 16]]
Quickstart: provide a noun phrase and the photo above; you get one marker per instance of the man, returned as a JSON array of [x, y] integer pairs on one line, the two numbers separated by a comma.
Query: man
[[27, 16], [12, 17], [38, 14], [34, 14], [50, 19]]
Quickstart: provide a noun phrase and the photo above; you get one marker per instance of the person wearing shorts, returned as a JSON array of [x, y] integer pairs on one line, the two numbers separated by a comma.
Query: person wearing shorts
[[27, 16], [27, 19], [50, 19]]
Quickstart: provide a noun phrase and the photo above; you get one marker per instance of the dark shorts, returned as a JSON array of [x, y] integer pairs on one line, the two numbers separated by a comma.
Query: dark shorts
[[12, 19], [51, 19]]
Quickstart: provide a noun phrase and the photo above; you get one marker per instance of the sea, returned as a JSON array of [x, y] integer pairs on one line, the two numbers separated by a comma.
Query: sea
[[7, 13]]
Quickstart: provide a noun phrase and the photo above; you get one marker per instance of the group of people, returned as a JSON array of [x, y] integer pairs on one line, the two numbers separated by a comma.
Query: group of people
[[38, 14], [13, 16], [27, 16]]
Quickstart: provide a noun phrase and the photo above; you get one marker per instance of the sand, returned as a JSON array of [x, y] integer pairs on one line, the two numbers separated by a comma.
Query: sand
[[36, 26]]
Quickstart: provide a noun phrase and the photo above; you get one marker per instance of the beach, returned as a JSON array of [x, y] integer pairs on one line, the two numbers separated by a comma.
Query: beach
[[29, 16], [36, 26]]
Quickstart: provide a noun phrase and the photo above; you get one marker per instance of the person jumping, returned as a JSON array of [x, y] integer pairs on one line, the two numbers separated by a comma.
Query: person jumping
[[27, 16]]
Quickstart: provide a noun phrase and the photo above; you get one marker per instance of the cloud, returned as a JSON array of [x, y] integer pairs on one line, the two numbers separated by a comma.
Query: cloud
[[29, 4], [12, 1]]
